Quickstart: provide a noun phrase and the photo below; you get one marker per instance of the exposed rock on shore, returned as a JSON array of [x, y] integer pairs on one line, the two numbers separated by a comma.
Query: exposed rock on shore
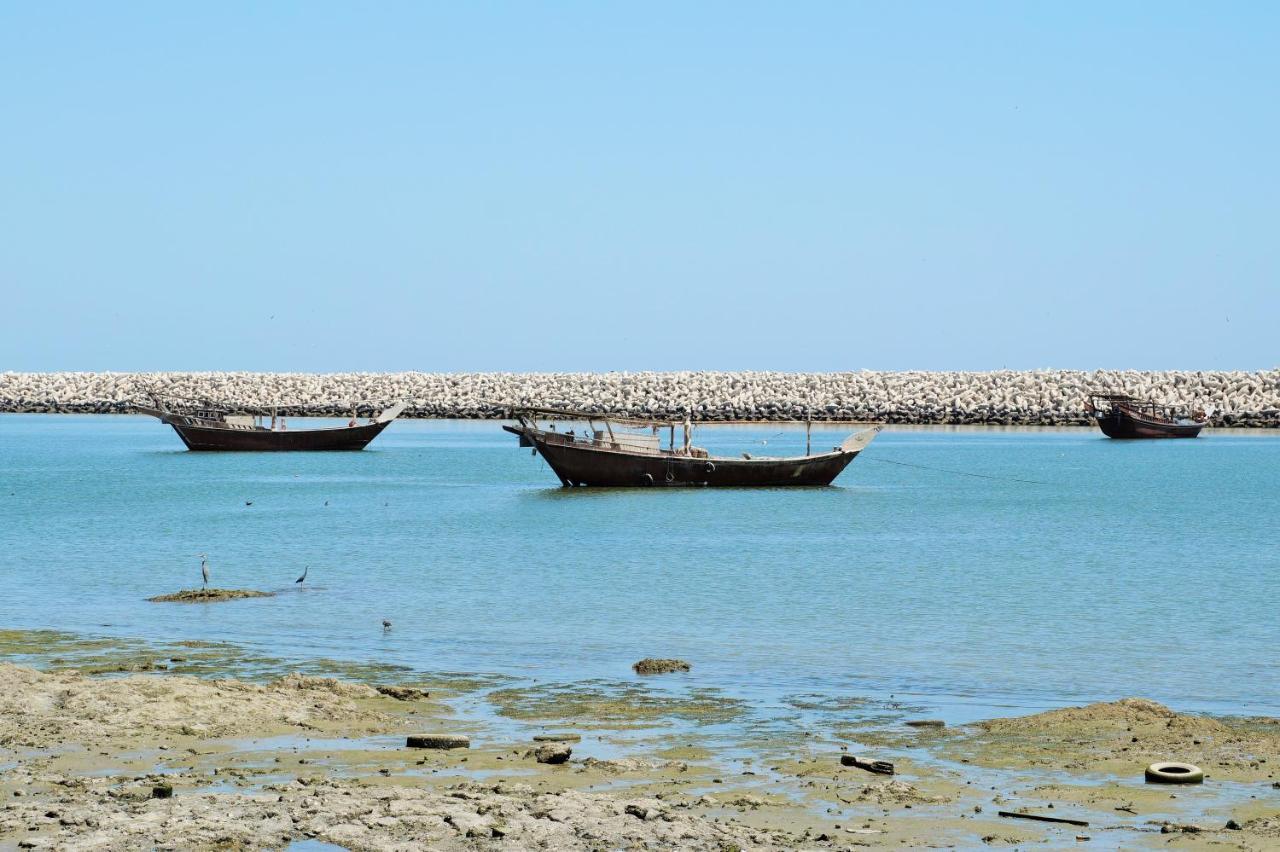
[[355, 816], [404, 693], [652, 666], [209, 595], [1040, 397], [40, 710], [1126, 735], [551, 753]]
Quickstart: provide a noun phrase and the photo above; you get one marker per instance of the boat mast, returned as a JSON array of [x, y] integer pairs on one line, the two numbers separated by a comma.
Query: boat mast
[[808, 431]]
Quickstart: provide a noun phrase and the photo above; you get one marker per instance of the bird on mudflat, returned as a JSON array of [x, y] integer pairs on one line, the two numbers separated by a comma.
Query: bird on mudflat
[[304, 574], [386, 624], [204, 570]]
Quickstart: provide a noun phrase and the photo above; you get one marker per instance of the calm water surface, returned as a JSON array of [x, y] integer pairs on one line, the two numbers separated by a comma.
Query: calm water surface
[[1145, 568]]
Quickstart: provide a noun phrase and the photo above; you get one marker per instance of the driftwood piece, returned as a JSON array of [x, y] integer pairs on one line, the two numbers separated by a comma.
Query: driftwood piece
[[1039, 818], [879, 767]]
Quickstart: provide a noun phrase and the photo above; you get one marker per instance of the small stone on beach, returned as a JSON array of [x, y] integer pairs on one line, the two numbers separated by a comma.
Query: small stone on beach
[[551, 753], [1181, 827], [404, 693]]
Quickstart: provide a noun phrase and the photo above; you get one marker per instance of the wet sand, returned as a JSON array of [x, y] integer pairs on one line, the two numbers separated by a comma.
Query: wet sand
[[261, 753]]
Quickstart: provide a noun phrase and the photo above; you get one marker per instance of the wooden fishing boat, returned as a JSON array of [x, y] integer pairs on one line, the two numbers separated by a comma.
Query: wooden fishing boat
[[622, 452], [203, 426], [1124, 416]]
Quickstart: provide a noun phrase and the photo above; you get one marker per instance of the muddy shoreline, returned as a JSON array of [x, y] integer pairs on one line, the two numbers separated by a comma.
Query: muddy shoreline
[[261, 752]]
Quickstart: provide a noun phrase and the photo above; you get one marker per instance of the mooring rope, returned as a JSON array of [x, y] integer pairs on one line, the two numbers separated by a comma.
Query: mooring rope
[[960, 472]]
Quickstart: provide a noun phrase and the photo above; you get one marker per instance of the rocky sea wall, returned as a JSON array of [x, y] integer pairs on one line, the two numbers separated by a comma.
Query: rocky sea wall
[[1032, 398]]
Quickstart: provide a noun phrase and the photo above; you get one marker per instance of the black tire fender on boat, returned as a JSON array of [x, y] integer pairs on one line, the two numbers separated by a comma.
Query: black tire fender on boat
[[710, 467], [671, 477], [646, 479], [1169, 772]]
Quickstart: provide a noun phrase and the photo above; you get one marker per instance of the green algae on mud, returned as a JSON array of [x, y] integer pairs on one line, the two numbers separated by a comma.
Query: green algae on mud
[[605, 704], [59, 651], [55, 650], [889, 733], [22, 642], [827, 703], [688, 752]]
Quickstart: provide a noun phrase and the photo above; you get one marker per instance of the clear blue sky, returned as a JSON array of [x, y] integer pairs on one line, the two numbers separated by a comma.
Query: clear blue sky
[[593, 186]]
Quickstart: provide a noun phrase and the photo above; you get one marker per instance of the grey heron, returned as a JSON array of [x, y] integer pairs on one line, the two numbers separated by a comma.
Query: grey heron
[[204, 570], [304, 574]]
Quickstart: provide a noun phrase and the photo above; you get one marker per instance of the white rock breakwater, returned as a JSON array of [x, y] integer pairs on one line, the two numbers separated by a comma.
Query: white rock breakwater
[[1040, 397]]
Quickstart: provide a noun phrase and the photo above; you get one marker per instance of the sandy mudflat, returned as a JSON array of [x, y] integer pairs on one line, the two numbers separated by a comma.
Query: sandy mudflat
[[262, 764]]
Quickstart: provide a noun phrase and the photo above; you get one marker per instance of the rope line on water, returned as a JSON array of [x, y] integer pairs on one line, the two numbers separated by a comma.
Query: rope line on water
[[961, 472]]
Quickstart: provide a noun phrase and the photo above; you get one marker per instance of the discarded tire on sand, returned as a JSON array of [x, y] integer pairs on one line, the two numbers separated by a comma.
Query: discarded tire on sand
[[1169, 772]]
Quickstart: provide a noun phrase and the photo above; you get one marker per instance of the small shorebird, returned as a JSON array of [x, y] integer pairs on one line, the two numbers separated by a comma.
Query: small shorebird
[[248, 502], [204, 571], [304, 574], [386, 624]]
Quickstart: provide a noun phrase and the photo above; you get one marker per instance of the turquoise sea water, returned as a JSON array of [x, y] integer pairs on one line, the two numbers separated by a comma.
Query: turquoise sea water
[[1143, 568]]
